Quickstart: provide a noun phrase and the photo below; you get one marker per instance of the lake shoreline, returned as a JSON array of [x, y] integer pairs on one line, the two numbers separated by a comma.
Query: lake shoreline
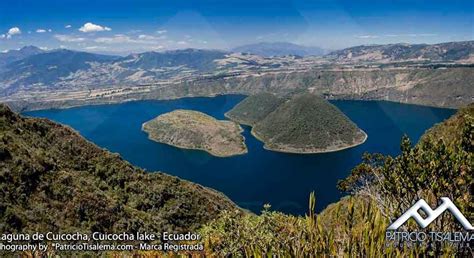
[[329, 150], [23, 106], [199, 149]]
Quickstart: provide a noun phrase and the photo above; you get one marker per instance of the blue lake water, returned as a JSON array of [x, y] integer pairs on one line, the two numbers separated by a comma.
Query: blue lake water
[[261, 176]]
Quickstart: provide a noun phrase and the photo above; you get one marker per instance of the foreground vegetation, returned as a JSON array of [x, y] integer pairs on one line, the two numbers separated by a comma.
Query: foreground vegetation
[[382, 188]]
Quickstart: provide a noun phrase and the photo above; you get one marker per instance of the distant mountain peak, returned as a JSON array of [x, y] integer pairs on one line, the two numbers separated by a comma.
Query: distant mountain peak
[[268, 49], [13, 55], [30, 47]]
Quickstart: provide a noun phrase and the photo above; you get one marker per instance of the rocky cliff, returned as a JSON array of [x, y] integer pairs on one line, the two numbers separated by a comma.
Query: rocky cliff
[[448, 87]]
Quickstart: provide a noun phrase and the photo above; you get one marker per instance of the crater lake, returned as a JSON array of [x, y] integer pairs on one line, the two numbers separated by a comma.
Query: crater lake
[[260, 176]]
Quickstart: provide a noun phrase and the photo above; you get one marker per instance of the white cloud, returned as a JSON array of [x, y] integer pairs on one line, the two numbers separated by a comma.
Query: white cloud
[[40, 30], [181, 42], [50, 30], [2, 36], [13, 31], [67, 26], [90, 27], [161, 31], [67, 38]]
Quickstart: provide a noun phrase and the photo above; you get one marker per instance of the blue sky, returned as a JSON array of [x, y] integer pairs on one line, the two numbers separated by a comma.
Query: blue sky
[[132, 26]]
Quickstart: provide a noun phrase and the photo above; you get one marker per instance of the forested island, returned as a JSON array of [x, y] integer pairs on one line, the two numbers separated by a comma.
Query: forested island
[[301, 123], [195, 130]]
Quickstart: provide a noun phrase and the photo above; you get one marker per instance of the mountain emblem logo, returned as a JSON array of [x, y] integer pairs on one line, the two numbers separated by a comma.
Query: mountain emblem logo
[[447, 204]]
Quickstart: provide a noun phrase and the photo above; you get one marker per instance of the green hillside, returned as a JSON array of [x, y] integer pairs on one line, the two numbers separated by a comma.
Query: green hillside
[[451, 130], [52, 179]]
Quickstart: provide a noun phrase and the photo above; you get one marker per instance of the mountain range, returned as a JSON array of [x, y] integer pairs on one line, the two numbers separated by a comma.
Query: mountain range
[[269, 49], [58, 68], [451, 51], [30, 70], [46, 67]]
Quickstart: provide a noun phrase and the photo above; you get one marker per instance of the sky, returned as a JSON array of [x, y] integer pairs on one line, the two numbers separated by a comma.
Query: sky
[[123, 27]]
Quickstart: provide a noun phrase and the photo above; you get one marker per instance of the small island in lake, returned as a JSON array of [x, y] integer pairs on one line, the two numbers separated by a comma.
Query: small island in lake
[[302, 123], [195, 130]]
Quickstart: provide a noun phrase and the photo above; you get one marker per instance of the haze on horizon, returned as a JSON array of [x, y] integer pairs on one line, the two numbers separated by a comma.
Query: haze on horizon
[[135, 26]]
